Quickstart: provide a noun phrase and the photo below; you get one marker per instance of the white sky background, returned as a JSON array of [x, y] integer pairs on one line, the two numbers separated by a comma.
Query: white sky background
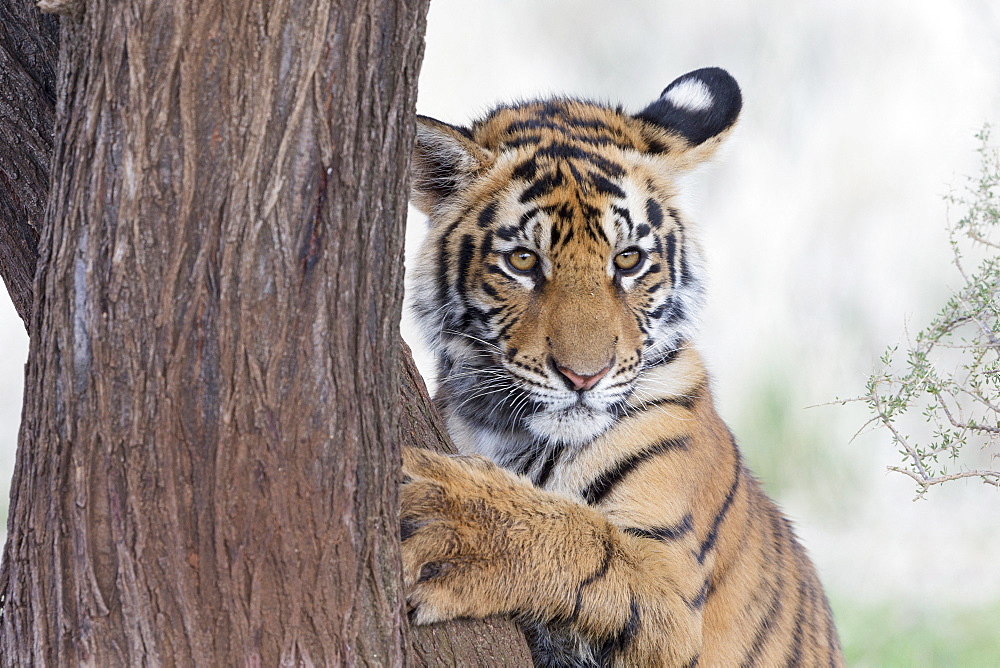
[[823, 222]]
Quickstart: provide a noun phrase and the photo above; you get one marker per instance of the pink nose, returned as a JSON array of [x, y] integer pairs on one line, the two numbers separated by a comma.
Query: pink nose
[[578, 382]]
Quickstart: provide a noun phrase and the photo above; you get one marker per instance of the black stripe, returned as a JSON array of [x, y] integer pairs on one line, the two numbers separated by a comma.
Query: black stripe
[[559, 150], [687, 401], [444, 262], [684, 527], [654, 146], [698, 602], [473, 315], [497, 271], [713, 533], [526, 170], [466, 251], [506, 327], [675, 216], [685, 270], [607, 651], [606, 187], [543, 186], [489, 290], [626, 216], [766, 625], [593, 229], [563, 211], [574, 172], [567, 235], [676, 312], [524, 460], [554, 236], [550, 462], [665, 358], [800, 612], [596, 140], [601, 571], [671, 257], [517, 142], [589, 123], [609, 478], [654, 213], [508, 232], [591, 213], [531, 124], [487, 215], [486, 247], [526, 217], [654, 287], [592, 217], [685, 277], [610, 168]]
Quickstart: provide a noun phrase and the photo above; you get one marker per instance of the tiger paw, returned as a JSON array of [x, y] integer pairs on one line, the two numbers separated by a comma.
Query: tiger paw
[[456, 539], [479, 541]]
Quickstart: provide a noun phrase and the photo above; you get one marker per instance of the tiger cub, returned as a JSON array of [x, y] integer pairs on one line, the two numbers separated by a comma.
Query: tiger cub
[[610, 511]]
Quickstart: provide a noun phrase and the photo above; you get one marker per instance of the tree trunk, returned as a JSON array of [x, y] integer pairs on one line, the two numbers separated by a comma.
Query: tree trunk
[[208, 460]]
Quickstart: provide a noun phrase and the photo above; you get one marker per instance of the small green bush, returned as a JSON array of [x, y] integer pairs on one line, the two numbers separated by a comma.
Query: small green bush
[[952, 367]]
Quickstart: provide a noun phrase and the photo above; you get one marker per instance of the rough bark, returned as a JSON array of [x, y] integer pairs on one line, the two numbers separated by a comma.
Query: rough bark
[[205, 474], [184, 491], [28, 46]]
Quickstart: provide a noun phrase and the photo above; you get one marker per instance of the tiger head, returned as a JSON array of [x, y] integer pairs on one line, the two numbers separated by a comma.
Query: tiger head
[[558, 268]]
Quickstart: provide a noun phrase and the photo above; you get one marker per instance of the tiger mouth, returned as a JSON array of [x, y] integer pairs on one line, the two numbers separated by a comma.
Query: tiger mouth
[[577, 424]]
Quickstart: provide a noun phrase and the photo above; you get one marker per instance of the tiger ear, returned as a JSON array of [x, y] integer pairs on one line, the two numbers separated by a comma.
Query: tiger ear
[[693, 116], [445, 160]]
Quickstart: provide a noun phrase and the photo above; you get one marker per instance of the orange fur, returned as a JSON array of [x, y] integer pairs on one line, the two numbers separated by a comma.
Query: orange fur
[[620, 526]]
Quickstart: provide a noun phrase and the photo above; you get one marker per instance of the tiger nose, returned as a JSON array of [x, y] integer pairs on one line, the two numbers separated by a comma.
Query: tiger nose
[[579, 382]]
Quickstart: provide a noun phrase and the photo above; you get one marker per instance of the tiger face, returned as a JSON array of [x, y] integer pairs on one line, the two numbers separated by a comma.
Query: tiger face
[[558, 268]]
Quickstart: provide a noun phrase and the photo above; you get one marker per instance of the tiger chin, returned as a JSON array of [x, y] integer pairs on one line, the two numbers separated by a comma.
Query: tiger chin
[[601, 500]]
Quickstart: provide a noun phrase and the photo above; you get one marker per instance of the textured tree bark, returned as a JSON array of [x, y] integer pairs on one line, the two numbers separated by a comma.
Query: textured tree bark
[[207, 467], [204, 475], [29, 44]]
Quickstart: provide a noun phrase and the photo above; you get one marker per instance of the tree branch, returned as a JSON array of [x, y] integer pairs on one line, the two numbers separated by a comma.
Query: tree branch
[[29, 48]]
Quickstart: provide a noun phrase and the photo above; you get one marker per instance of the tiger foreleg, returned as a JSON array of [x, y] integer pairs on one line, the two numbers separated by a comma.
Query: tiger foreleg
[[478, 541]]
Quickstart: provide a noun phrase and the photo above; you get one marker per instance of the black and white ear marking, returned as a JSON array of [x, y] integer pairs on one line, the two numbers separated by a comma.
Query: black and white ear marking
[[698, 106], [445, 159]]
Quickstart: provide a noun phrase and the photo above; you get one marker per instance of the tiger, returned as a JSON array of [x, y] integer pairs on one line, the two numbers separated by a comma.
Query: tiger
[[599, 499]]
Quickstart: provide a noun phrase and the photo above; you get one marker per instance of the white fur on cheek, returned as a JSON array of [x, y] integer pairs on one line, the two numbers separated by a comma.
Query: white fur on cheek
[[690, 94]]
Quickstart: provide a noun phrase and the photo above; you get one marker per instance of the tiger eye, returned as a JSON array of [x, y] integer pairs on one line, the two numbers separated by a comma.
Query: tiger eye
[[522, 259], [628, 259]]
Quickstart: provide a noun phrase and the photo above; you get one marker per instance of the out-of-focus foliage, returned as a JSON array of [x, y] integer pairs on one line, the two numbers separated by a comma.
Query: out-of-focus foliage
[[952, 367], [889, 635]]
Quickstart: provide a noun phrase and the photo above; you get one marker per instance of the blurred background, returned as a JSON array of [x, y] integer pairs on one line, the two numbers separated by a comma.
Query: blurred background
[[823, 222]]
